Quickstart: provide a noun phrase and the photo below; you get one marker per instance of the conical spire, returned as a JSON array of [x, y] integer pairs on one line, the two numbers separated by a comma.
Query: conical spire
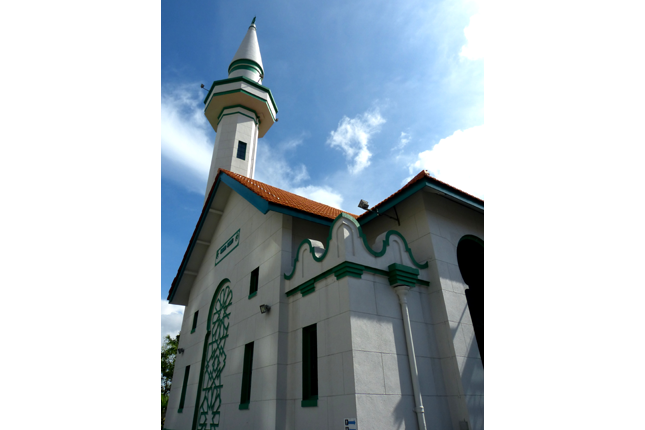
[[247, 60]]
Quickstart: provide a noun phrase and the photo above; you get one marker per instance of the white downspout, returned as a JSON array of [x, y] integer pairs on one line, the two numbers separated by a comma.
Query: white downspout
[[402, 292]]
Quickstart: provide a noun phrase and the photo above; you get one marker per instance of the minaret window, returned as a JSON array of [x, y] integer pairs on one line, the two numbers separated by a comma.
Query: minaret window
[[241, 150]]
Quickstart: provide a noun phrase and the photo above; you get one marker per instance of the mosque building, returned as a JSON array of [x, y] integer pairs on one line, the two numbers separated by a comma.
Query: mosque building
[[301, 316]]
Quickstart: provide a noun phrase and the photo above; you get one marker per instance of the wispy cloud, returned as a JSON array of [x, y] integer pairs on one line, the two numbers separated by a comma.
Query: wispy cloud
[[274, 168], [186, 149], [352, 136], [474, 47], [457, 160], [171, 318], [403, 140]]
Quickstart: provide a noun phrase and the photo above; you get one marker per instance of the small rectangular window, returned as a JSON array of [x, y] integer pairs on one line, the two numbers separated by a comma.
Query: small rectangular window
[[309, 367], [245, 398], [241, 150], [183, 389], [194, 321], [253, 288]]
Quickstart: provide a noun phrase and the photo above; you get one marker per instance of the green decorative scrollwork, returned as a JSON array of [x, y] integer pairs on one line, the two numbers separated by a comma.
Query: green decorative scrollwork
[[215, 356]]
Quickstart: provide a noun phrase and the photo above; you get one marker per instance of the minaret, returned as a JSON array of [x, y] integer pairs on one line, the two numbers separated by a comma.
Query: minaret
[[241, 110]]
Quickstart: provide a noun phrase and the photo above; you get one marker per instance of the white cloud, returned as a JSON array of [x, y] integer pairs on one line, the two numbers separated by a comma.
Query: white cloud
[[274, 169], [186, 150], [353, 135], [403, 140], [324, 194], [171, 318], [457, 160], [474, 47]]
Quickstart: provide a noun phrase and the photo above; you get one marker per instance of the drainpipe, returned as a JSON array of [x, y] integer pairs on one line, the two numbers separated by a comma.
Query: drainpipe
[[402, 292]]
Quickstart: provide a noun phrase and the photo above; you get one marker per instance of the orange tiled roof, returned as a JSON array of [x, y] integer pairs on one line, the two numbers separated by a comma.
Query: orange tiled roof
[[284, 198]]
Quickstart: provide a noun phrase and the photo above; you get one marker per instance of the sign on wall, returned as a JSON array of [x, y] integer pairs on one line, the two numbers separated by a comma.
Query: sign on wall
[[228, 247], [350, 424]]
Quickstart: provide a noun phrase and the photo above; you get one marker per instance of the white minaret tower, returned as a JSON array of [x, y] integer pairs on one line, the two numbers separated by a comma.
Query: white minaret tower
[[241, 110]]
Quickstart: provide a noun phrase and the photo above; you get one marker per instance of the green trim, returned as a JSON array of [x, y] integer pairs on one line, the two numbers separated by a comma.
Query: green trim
[[239, 90], [243, 406], [308, 287], [378, 271], [309, 403], [239, 113], [397, 272], [348, 269], [208, 342], [386, 243], [192, 331], [402, 275], [244, 67], [246, 80], [227, 243], [247, 62], [253, 294], [235, 106], [180, 410]]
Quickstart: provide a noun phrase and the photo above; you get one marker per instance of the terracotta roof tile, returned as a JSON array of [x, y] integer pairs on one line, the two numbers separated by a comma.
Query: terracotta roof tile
[[285, 198]]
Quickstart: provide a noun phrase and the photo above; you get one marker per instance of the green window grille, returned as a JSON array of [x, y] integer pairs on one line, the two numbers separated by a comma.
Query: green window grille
[[309, 366], [183, 389], [245, 398]]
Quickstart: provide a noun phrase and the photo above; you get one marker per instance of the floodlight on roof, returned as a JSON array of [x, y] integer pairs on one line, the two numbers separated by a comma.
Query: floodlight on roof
[[366, 206]]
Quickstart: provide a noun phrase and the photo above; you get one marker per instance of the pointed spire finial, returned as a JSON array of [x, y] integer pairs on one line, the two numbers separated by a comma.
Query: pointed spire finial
[[253, 22]]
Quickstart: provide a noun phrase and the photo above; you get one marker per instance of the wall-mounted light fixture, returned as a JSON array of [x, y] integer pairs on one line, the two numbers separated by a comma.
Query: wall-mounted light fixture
[[180, 351], [265, 309], [366, 207]]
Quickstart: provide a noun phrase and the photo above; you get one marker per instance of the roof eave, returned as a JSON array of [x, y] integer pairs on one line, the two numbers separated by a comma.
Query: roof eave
[[437, 186]]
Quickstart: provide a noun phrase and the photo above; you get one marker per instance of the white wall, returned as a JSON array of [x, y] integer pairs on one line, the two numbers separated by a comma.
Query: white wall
[[260, 245]]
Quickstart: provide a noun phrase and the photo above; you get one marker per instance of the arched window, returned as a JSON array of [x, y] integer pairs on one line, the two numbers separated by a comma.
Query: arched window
[[470, 257]]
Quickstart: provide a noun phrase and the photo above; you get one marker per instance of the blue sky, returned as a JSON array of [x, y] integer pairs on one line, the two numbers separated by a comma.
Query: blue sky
[[369, 93]]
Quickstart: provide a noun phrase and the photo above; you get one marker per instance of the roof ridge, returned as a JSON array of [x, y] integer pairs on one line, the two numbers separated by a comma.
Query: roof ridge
[[286, 198]]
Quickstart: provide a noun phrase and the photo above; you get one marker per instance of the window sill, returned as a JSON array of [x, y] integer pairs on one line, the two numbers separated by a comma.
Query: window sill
[[253, 295], [244, 406], [192, 331], [180, 410], [309, 403]]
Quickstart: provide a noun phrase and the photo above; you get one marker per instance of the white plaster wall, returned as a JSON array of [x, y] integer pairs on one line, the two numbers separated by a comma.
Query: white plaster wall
[[362, 325], [260, 245], [432, 226], [328, 308], [463, 372]]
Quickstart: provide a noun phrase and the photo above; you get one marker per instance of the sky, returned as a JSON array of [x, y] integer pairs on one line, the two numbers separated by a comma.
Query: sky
[[369, 93]]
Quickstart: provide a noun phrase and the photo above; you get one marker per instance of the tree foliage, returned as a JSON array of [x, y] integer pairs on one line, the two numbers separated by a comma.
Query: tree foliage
[[168, 354]]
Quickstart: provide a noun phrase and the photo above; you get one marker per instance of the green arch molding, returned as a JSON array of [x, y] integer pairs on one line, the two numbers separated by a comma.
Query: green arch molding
[[471, 238], [209, 389], [386, 243]]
